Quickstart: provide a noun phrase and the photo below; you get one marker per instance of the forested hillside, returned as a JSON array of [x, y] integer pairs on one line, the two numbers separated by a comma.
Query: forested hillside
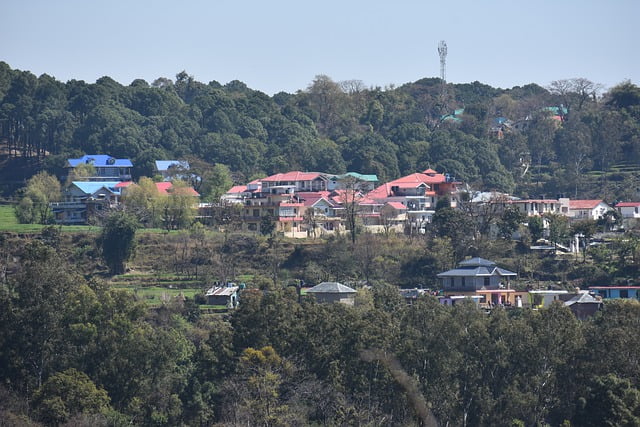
[[76, 351], [568, 138]]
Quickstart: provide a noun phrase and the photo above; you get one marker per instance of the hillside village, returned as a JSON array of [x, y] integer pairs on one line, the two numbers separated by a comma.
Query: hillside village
[[303, 205], [180, 253]]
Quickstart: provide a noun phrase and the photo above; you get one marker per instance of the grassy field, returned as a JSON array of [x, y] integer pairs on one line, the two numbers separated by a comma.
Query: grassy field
[[9, 222], [155, 295]]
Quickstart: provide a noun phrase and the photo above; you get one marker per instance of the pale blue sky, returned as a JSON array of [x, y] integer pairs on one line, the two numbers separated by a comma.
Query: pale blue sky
[[281, 45]]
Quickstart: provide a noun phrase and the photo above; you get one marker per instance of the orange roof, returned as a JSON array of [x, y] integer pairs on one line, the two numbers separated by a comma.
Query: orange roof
[[583, 204], [313, 194], [124, 184], [428, 177], [292, 176], [237, 189], [624, 204], [165, 187]]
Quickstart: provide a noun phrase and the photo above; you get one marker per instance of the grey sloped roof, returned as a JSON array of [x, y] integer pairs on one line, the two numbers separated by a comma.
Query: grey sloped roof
[[477, 272], [458, 272], [477, 262], [331, 288], [582, 298], [503, 272]]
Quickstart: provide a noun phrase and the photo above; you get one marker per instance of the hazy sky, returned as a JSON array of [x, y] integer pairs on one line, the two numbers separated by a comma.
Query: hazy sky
[[281, 45]]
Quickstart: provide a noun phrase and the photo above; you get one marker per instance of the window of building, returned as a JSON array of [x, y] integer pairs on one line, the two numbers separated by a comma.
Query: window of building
[[464, 282], [256, 212], [624, 293], [487, 282]]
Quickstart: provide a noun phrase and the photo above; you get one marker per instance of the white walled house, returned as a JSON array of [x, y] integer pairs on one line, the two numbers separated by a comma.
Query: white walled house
[[587, 209], [628, 209]]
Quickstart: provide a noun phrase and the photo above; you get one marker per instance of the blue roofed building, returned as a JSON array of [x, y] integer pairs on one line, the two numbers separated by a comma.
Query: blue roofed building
[[107, 168], [86, 199], [170, 169], [476, 274]]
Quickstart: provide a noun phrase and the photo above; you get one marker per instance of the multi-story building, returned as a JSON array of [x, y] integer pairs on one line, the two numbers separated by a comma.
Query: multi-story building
[[419, 193], [84, 199]]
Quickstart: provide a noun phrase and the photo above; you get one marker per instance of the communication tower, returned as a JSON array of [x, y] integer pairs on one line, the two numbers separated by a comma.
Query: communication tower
[[442, 51]]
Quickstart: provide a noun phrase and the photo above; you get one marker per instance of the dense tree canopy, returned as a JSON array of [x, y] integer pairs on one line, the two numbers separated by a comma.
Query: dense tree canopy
[[563, 131]]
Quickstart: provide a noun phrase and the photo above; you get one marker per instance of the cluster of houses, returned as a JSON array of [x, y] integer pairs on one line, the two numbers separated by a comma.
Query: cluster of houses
[[310, 203], [488, 286], [300, 204], [304, 204], [475, 279], [87, 198]]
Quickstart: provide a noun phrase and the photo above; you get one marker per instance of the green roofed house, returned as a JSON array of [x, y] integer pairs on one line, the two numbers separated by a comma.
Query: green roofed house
[[475, 274], [365, 183], [333, 292]]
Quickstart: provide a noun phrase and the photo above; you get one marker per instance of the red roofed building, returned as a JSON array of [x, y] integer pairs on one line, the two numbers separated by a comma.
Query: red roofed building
[[628, 209], [166, 188], [300, 181], [587, 209], [419, 192]]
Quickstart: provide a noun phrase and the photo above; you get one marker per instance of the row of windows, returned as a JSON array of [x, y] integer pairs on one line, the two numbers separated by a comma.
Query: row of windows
[[463, 282]]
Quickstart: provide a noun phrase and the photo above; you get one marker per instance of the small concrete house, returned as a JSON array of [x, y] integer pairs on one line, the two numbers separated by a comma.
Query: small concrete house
[[475, 274], [333, 292], [584, 305]]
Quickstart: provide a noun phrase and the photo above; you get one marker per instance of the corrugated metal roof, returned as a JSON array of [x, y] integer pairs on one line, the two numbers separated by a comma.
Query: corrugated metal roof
[[222, 291]]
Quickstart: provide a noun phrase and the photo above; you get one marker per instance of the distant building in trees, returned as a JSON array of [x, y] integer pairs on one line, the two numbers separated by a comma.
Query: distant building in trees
[[333, 292]]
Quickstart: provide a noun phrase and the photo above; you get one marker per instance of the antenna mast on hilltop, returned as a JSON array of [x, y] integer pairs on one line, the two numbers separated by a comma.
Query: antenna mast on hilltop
[[442, 51]]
